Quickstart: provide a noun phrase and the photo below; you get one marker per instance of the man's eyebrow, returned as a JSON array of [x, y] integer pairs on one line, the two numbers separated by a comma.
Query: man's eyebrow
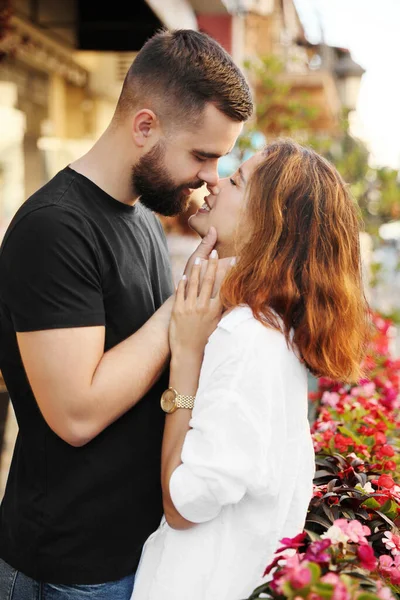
[[241, 175], [208, 154]]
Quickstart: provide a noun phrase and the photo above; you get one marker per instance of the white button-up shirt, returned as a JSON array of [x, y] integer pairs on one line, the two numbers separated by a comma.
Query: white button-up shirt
[[246, 472]]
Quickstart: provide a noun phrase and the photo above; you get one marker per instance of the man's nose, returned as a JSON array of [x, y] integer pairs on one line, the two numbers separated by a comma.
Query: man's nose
[[211, 179]]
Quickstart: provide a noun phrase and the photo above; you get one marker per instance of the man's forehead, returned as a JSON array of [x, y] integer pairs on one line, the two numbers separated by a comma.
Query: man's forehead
[[212, 140], [215, 144]]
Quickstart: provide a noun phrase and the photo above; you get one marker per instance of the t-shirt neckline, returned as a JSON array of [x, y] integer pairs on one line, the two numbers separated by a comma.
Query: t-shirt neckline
[[113, 202]]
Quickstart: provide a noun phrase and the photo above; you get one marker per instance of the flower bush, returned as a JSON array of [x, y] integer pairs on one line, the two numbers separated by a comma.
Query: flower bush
[[350, 549]]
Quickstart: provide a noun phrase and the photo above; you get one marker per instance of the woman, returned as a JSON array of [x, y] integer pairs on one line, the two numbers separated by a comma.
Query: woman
[[237, 470]]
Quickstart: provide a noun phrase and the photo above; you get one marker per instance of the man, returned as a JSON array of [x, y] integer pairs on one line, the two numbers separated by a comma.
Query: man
[[84, 309]]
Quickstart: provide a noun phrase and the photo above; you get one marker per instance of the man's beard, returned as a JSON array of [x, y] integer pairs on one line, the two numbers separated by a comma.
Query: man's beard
[[152, 182]]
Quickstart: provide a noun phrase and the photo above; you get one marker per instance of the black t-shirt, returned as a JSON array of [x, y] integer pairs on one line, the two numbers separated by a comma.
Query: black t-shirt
[[72, 257]]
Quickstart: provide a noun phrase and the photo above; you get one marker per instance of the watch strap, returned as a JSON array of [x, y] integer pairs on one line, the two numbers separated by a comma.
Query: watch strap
[[183, 401]]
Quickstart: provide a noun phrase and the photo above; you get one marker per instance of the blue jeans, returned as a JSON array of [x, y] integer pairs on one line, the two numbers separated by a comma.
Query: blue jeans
[[14, 585]]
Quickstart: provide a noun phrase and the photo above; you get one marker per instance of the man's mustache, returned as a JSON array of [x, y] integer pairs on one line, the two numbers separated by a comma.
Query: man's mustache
[[192, 186]]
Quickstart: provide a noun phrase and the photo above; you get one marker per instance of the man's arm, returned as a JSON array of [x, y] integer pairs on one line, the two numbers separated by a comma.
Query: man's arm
[[79, 389]]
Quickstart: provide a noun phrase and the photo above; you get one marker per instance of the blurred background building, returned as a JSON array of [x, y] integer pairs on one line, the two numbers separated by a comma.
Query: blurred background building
[[62, 65]]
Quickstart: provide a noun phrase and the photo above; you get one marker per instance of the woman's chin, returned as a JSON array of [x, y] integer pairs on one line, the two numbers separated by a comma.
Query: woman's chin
[[198, 225]]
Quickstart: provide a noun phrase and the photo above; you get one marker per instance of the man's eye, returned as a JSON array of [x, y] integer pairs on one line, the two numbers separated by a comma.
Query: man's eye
[[232, 181], [200, 158]]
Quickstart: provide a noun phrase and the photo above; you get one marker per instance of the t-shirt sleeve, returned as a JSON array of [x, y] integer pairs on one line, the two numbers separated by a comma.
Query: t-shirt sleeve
[[50, 272], [226, 451]]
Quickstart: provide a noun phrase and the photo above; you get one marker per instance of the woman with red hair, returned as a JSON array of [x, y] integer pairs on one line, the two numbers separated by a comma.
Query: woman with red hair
[[238, 460]]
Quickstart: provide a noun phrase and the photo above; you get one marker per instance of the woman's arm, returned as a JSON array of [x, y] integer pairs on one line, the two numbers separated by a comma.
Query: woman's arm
[[193, 320], [184, 376]]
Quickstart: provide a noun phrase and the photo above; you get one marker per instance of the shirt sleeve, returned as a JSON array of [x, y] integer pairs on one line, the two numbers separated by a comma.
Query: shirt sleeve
[[50, 272], [226, 451]]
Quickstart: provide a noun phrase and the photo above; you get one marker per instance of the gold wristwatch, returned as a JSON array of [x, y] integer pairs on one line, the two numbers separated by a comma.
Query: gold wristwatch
[[171, 401]]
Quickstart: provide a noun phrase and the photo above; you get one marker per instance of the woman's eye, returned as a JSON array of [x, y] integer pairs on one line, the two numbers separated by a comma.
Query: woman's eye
[[232, 181]]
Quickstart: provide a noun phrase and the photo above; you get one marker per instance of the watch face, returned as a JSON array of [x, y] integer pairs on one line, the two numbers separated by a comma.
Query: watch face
[[168, 401]]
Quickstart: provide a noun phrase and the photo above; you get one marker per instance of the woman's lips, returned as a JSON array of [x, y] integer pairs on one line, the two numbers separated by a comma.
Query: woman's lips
[[205, 207]]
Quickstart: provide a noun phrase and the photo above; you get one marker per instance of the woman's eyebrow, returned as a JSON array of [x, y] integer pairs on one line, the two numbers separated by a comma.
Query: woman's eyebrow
[[242, 176]]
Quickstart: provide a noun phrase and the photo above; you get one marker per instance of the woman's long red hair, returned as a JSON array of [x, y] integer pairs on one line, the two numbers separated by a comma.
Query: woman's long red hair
[[302, 260]]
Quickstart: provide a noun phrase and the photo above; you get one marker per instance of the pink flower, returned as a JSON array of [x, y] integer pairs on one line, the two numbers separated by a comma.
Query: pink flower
[[367, 557], [356, 391], [295, 542], [354, 530], [390, 568], [384, 593], [392, 543], [335, 535], [300, 577], [368, 389], [273, 564], [331, 578], [295, 572], [330, 398], [340, 592], [316, 551]]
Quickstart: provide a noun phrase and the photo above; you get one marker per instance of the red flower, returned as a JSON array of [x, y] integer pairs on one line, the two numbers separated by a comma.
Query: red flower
[[386, 481], [367, 557], [364, 430], [342, 442], [385, 450], [380, 438], [389, 465], [381, 426]]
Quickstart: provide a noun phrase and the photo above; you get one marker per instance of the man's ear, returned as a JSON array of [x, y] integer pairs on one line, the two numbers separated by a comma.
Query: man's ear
[[145, 126]]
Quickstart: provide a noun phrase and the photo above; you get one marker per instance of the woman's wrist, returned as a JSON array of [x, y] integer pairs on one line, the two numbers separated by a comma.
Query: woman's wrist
[[184, 373], [184, 358]]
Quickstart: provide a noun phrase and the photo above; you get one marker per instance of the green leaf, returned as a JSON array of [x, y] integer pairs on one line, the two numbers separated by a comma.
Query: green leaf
[[314, 537], [315, 570], [312, 518], [325, 590], [349, 514], [385, 518], [371, 503], [390, 509], [322, 473]]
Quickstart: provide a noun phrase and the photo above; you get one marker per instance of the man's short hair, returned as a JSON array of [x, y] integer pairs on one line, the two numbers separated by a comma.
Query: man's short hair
[[176, 73]]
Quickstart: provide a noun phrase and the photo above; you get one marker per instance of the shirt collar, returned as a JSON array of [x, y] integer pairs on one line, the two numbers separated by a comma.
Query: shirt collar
[[236, 316]]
